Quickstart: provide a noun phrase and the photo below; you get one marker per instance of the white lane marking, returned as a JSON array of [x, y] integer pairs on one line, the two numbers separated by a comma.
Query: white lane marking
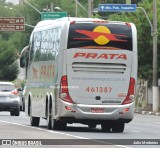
[[123, 146], [43, 129], [64, 134], [135, 131]]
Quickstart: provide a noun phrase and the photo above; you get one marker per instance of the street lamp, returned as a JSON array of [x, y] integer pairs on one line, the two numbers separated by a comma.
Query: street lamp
[[147, 19], [58, 8], [155, 88], [55, 9]]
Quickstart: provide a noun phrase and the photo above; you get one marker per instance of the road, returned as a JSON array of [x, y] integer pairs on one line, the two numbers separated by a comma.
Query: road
[[146, 127]]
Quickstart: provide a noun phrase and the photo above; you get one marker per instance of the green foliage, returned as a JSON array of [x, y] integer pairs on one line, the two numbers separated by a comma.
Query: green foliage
[[9, 67], [13, 42], [145, 42]]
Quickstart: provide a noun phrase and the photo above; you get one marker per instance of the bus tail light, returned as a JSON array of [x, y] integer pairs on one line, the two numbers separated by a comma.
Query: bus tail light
[[130, 95], [14, 92], [68, 108], [100, 21], [64, 93], [126, 110], [72, 22], [128, 24]]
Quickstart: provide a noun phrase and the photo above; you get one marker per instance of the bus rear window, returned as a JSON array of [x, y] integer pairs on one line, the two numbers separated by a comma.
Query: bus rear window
[[100, 36]]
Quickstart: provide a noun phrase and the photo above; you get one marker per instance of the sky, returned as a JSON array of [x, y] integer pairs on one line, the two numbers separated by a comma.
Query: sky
[[13, 1]]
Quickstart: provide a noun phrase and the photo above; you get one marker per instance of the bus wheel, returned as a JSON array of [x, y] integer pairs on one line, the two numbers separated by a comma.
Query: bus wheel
[[92, 125], [21, 108], [23, 105], [17, 112], [105, 127], [12, 113], [54, 124], [118, 128], [58, 125], [34, 121], [29, 107], [49, 119], [62, 125]]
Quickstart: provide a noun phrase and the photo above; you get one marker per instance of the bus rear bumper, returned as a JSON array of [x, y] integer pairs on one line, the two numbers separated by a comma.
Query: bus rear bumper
[[96, 112]]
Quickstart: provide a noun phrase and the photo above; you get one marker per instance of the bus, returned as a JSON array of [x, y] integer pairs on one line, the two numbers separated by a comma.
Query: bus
[[81, 70]]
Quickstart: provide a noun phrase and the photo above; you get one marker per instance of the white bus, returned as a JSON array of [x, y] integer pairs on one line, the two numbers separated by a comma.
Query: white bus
[[81, 70]]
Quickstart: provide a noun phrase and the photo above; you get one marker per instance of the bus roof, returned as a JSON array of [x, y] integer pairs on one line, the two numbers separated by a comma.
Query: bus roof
[[75, 19]]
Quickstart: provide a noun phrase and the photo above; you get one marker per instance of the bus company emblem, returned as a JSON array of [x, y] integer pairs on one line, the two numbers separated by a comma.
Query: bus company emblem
[[44, 71], [100, 56], [101, 35], [34, 73]]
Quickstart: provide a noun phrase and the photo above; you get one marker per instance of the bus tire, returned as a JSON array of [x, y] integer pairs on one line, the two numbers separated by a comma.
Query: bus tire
[[54, 124], [58, 125], [62, 125], [29, 106], [12, 113], [17, 112], [49, 118], [21, 108], [92, 125], [34, 121], [118, 128], [23, 105], [105, 127]]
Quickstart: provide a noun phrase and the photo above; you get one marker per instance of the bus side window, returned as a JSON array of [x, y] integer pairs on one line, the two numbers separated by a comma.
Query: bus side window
[[31, 54], [37, 45], [26, 63]]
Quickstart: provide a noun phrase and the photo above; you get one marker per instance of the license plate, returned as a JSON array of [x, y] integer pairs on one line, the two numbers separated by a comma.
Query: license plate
[[97, 110]]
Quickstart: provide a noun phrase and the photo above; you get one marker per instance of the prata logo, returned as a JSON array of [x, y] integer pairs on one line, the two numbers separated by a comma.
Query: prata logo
[[44, 71], [100, 56]]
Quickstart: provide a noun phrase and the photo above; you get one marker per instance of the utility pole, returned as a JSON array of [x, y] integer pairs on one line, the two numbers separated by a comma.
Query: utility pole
[[51, 7], [47, 8], [90, 4], [155, 67], [76, 8]]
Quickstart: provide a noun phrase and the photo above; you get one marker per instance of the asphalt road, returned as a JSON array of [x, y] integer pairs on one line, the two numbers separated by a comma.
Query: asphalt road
[[142, 132]]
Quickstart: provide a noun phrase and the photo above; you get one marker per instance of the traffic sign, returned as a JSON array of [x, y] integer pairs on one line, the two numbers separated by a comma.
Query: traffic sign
[[52, 15], [117, 7], [12, 24]]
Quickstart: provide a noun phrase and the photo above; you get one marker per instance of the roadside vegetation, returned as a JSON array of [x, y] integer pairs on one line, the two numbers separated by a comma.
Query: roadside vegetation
[[11, 43]]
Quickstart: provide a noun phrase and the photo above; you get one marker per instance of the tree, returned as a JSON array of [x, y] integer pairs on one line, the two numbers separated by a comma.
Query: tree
[[145, 43], [8, 55], [9, 67], [17, 40]]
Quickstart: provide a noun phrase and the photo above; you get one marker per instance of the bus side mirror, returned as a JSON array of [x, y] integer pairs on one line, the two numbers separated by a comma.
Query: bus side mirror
[[22, 62], [23, 57]]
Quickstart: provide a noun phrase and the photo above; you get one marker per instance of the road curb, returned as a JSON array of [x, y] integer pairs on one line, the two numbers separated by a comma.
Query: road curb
[[144, 112]]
